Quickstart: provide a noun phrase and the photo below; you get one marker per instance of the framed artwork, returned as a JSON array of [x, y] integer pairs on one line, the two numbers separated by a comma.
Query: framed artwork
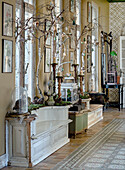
[[7, 19], [88, 63], [7, 56], [47, 60], [47, 26], [89, 12], [71, 59]]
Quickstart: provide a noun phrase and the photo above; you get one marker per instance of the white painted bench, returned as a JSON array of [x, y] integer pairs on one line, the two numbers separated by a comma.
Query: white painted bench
[[30, 142]]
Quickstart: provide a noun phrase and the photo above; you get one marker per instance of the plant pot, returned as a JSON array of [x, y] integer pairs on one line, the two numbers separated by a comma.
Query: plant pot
[[87, 103]]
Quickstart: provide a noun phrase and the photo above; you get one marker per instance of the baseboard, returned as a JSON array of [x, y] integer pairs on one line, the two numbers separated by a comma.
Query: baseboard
[[3, 161]]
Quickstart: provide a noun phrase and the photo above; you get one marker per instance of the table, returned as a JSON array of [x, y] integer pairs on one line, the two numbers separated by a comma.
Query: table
[[120, 91]]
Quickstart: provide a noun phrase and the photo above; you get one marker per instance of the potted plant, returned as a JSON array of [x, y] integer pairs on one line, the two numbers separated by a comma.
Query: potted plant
[[85, 98]]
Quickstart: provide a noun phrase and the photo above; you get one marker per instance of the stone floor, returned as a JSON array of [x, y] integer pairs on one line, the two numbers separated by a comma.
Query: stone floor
[[59, 155]]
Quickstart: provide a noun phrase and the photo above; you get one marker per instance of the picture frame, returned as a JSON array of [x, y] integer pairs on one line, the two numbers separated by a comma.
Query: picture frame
[[47, 26], [7, 56], [47, 62], [71, 56], [88, 63], [89, 12], [7, 19]]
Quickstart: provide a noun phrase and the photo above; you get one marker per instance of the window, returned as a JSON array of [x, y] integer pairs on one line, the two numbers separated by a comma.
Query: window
[[25, 53], [78, 22], [94, 47]]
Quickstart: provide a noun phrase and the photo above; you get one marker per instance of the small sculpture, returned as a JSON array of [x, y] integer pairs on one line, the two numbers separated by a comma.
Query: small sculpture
[[38, 100], [50, 101]]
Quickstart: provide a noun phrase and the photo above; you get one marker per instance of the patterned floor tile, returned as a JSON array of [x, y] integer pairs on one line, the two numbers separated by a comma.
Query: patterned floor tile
[[120, 157], [94, 165], [108, 148], [118, 161], [116, 167], [101, 155], [96, 160], [105, 152]]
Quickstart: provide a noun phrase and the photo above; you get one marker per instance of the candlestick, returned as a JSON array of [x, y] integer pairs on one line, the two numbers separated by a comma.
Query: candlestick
[[75, 69], [81, 79], [54, 74], [75, 62], [54, 59], [59, 77], [81, 72], [59, 74]]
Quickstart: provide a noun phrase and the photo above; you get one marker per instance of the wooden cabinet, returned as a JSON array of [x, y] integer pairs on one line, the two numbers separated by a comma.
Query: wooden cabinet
[[84, 119], [79, 122]]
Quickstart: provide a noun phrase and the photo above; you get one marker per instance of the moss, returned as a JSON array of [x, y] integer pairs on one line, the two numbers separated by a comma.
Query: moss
[[62, 103], [35, 106]]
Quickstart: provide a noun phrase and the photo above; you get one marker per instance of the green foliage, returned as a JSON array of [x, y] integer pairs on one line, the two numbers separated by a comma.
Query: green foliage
[[85, 96], [68, 93], [113, 53], [62, 103], [35, 106]]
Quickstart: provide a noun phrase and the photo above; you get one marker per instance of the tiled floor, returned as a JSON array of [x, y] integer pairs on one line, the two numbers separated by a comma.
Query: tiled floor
[[59, 155]]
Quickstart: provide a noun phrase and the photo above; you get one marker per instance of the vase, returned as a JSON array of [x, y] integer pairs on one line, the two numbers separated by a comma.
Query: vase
[[118, 79]]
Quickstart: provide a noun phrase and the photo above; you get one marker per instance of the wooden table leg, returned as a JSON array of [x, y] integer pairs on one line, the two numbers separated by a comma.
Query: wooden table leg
[[122, 96], [29, 143]]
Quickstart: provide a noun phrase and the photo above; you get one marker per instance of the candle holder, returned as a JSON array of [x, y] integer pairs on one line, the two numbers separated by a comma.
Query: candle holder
[[75, 69], [59, 77], [81, 86], [54, 76]]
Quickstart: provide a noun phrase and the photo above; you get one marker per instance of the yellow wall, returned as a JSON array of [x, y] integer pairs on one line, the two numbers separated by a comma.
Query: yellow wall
[[6, 81], [103, 8]]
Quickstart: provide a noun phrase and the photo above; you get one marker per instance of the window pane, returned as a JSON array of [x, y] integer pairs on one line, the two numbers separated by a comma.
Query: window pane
[[29, 1], [28, 61], [17, 60], [28, 58]]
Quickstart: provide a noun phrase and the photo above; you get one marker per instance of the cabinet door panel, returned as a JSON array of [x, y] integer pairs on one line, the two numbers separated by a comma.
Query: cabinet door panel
[[19, 145]]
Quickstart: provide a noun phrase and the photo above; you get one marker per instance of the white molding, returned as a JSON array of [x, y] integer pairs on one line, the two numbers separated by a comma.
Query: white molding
[[121, 38], [4, 157], [3, 161], [95, 116], [95, 122]]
